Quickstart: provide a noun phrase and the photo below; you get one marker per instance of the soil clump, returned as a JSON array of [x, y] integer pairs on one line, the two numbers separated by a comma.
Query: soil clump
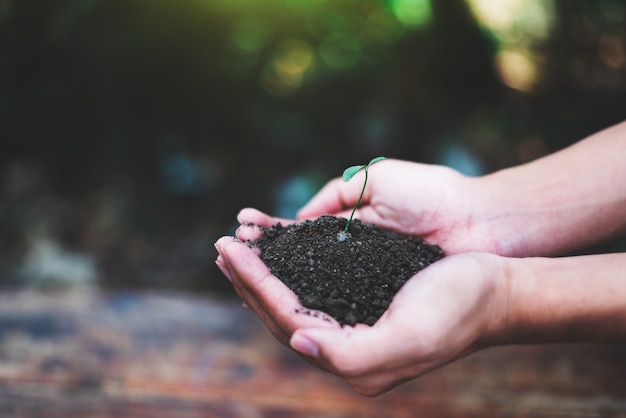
[[354, 280]]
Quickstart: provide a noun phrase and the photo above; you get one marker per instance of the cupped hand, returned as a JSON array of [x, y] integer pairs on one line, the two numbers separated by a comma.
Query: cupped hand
[[258, 288], [270, 299], [451, 309], [429, 201]]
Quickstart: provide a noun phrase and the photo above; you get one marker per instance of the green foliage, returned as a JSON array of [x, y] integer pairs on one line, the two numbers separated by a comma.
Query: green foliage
[[350, 172]]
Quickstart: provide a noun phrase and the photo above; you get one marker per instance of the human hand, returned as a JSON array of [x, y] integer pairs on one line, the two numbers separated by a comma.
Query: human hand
[[432, 202], [449, 310]]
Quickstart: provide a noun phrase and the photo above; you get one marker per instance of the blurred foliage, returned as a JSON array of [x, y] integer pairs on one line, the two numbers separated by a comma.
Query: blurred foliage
[[134, 130]]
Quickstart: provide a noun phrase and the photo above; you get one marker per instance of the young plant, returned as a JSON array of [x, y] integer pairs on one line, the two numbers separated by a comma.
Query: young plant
[[348, 173]]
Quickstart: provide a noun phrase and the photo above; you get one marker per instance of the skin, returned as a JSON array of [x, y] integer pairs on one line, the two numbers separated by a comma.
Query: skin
[[495, 287]]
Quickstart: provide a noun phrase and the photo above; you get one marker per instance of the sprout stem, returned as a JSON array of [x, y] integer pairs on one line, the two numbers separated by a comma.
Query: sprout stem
[[357, 202], [348, 173]]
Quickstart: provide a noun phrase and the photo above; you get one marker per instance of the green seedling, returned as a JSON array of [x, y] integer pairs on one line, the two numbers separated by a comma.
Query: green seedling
[[348, 173]]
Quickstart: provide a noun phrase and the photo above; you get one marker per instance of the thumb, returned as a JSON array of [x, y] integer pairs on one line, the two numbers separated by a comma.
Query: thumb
[[346, 350], [335, 197]]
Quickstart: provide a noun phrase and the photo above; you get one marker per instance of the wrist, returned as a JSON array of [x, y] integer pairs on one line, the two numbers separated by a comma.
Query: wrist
[[496, 322], [564, 300], [528, 213], [562, 202]]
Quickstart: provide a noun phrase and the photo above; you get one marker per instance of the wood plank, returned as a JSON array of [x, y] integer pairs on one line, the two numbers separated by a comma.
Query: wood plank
[[92, 354]]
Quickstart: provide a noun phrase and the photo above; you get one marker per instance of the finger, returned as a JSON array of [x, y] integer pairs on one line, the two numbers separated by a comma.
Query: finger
[[256, 217], [264, 292], [246, 270], [222, 266], [249, 232], [339, 349], [249, 301], [254, 274], [365, 357], [388, 346], [228, 270], [336, 196]]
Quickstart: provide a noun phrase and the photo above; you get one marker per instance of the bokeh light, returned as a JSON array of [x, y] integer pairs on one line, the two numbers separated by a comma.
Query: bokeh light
[[611, 51], [331, 37], [518, 27], [291, 61], [412, 13], [515, 21], [517, 69]]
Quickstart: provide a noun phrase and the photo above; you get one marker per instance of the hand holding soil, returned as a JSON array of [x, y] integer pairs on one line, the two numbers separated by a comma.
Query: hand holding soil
[[436, 317], [479, 295]]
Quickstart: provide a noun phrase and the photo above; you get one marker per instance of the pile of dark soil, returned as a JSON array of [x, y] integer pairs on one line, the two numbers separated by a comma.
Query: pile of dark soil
[[353, 281]]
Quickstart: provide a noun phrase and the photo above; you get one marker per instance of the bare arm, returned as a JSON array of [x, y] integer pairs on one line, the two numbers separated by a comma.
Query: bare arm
[[564, 201], [570, 299]]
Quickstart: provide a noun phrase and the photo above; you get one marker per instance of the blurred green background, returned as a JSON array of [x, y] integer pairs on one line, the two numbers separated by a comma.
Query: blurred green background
[[133, 131]]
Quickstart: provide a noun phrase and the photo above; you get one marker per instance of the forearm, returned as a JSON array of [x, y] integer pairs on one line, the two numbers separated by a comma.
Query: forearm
[[570, 199], [570, 299]]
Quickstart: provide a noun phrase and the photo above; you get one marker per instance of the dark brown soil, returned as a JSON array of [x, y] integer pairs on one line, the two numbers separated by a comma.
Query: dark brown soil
[[353, 281]]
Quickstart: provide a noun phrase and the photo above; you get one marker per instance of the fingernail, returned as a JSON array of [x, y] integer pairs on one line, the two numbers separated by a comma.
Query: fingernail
[[220, 264], [304, 345]]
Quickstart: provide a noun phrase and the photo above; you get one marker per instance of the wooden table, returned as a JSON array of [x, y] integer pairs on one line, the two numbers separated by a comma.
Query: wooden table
[[93, 354]]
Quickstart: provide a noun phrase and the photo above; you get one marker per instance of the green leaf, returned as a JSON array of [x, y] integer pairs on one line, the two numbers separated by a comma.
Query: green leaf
[[375, 160], [349, 172]]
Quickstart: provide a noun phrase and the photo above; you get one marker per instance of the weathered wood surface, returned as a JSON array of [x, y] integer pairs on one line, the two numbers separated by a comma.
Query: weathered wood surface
[[145, 355]]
